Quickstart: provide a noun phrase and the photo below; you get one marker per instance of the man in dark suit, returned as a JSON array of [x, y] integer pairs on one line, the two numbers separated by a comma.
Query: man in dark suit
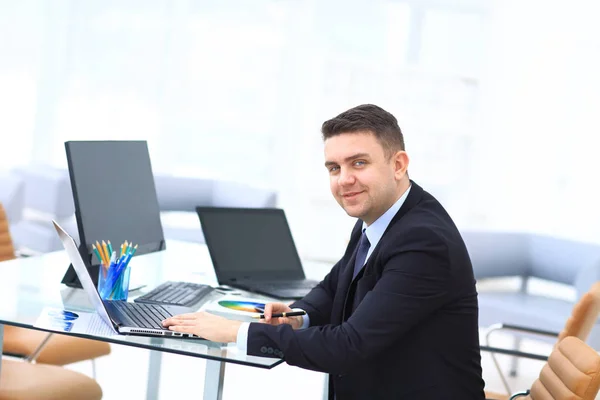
[[397, 316]]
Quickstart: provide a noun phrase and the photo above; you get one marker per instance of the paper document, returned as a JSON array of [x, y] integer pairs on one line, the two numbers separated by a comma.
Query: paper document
[[59, 320]]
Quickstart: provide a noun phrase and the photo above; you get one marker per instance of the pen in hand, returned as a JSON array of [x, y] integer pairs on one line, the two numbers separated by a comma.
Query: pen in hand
[[281, 315]]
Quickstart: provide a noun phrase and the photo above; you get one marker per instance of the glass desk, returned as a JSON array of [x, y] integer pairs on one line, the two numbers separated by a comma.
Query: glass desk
[[27, 285]]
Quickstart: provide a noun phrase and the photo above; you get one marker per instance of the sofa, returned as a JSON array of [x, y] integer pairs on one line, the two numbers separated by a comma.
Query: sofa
[[36, 194], [178, 198], [47, 196], [528, 255]]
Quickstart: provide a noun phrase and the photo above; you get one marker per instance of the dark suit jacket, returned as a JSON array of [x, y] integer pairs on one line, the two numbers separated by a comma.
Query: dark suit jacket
[[404, 328]]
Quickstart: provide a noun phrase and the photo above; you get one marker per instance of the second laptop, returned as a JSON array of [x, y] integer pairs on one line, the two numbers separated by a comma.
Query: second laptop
[[253, 249]]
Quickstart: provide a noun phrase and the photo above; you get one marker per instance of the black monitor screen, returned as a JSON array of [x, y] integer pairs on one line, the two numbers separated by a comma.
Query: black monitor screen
[[114, 194], [246, 244]]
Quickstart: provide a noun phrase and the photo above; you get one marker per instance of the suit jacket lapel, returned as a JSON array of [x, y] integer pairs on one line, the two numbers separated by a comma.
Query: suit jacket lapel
[[346, 276], [345, 279], [414, 196]]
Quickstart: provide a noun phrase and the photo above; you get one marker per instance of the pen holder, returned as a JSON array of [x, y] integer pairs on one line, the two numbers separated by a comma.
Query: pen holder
[[113, 284]]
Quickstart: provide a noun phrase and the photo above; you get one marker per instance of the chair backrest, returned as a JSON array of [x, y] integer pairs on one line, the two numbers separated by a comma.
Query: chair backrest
[[47, 190], [177, 193], [7, 251], [497, 254], [571, 373], [584, 315], [559, 259]]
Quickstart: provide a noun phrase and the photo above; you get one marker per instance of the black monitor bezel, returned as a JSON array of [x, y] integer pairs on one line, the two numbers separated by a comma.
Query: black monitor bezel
[[231, 277], [70, 278]]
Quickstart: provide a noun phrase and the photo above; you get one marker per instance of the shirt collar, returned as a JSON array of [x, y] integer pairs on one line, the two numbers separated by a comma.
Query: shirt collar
[[375, 231]]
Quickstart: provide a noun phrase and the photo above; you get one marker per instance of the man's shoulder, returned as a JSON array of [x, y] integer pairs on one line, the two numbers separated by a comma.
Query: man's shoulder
[[409, 233], [425, 216], [426, 222]]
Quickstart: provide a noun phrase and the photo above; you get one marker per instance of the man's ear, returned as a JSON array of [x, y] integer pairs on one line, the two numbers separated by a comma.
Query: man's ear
[[400, 164]]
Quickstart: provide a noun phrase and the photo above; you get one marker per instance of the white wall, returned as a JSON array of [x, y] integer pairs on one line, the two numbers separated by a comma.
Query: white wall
[[537, 148], [497, 100]]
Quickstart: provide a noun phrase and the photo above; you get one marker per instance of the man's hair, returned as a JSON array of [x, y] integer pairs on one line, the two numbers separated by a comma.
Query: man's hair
[[367, 118], [371, 118]]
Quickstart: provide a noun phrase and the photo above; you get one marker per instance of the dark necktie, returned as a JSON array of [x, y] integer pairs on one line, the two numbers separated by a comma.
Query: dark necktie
[[361, 254]]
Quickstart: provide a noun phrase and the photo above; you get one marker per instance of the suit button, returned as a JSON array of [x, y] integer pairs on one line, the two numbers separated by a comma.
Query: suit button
[[263, 350], [270, 351]]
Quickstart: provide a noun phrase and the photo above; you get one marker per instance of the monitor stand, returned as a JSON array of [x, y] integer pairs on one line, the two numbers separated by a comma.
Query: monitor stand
[[71, 280]]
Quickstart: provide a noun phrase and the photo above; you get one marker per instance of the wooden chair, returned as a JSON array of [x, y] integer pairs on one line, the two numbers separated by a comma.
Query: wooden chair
[[584, 315], [39, 346], [24, 381], [583, 318], [571, 373], [7, 251]]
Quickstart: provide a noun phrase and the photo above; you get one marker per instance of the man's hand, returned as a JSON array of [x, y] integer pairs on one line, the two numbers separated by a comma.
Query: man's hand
[[205, 325], [272, 308]]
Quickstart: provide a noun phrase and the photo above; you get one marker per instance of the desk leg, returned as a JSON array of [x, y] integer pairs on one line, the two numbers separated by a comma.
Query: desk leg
[[153, 375], [1, 341], [213, 380]]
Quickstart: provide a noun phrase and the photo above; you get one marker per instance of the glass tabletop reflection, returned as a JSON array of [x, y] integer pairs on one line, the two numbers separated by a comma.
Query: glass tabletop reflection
[[28, 285]]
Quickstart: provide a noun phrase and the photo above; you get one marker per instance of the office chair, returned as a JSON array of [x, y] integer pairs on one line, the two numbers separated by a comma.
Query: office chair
[[23, 381], [581, 322], [7, 251], [47, 195], [571, 373], [525, 256], [39, 346]]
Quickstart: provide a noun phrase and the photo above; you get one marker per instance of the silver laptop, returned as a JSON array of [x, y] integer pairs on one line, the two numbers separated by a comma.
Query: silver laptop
[[124, 317]]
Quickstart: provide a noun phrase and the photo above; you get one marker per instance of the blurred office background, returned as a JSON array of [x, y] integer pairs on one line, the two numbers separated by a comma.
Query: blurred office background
[[497, 99]]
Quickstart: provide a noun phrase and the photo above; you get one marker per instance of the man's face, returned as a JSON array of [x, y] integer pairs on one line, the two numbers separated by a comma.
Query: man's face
[[362, 179]]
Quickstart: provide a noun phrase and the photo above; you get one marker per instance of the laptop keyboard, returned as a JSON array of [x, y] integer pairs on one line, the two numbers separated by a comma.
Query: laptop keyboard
[[176, 294], [144, 315]]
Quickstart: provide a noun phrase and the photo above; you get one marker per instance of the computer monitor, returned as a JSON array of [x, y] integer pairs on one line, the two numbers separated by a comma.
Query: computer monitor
[[114, 196]]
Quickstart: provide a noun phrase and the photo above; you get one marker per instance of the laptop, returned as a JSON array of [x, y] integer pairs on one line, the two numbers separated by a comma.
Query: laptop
[[253, 249], [125, 318]]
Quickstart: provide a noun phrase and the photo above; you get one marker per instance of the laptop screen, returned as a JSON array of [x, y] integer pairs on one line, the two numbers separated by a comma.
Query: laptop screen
[[114, 194], [250, 244], [82, 273]]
